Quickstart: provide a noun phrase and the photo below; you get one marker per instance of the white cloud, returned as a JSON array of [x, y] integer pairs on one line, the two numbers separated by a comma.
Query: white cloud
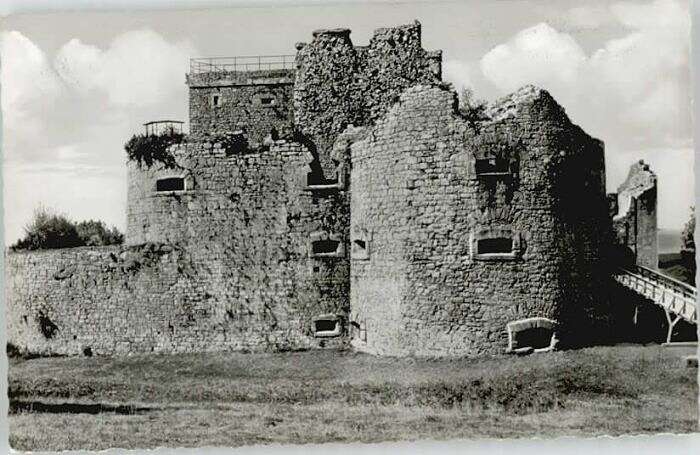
[[632, 92], [66, 119], [30, 89], [458, 73], [138, 68], [539, 55]]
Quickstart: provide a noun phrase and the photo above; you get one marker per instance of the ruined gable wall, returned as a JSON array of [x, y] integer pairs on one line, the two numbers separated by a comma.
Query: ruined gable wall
[[422, 291], [338, 84], [636, 222], [244, 102]]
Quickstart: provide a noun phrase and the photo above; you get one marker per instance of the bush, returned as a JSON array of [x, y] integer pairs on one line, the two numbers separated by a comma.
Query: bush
[[149, 149], [49, 230], [96, 233]]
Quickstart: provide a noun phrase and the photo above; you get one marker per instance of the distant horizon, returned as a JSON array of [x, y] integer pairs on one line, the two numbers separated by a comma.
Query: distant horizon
[[77, 86]]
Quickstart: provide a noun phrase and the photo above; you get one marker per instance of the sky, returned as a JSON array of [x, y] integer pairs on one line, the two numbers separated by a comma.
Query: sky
[[76, 86]]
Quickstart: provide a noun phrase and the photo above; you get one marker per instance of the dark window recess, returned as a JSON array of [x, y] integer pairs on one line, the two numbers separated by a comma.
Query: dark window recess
[[536, 338], [170, 184], [215, 100], [495, 245], [325, 325], [327, 246], [267, 100], [361, 245], [317, 179], [492, 166]]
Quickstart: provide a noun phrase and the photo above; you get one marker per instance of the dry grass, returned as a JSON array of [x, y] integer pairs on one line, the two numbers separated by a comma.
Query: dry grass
[[239, 399]]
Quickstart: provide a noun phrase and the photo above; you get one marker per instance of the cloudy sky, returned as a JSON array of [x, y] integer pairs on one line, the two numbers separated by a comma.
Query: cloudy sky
[[76, 86]]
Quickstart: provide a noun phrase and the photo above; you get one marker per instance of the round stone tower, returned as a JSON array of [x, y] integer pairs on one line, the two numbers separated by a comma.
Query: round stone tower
[[473, 237]]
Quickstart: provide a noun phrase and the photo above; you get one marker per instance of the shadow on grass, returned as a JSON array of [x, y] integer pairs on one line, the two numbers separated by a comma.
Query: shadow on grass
[[17, 406]]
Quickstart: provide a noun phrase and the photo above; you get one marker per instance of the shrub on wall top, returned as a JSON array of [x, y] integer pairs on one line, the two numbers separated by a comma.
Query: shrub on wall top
[[149, 149]]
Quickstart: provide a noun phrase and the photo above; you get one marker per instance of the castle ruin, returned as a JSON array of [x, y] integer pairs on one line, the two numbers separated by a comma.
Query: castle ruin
[[363, 208]]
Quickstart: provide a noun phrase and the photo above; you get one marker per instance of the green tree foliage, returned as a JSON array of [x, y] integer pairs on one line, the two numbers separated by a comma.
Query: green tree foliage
[[49, 230], [149, 149]]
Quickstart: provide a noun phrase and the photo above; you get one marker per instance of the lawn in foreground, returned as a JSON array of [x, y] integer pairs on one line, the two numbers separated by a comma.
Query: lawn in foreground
[[236, 399]]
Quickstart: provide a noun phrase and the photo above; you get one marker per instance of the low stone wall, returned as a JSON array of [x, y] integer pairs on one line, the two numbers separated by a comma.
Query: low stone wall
[[150, 298]]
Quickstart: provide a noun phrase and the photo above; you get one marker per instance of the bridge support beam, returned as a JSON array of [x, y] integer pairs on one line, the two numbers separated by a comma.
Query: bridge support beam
[[671, 324]]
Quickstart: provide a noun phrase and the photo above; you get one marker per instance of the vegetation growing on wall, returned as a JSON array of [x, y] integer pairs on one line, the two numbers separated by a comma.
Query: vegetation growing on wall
[[233, 143], [49, 230], [472, 108], [153, 148]]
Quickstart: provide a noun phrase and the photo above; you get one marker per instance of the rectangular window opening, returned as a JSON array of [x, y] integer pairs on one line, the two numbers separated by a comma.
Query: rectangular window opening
[[536, 338], [327, 326], [492, 166], [215, 100], [327, 246], [170, 184], [499, 245], [316, 179]]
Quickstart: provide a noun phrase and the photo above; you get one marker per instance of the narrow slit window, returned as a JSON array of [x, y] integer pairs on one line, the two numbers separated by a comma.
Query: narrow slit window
[[170, 184], [499, 245], [492, 166], [216, 100]]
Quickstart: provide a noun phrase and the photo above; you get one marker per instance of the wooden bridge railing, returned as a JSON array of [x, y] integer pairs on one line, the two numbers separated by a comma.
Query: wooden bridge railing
[[678, 299]]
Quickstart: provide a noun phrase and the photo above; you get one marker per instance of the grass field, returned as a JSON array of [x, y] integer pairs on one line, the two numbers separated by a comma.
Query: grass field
[[326, 396]]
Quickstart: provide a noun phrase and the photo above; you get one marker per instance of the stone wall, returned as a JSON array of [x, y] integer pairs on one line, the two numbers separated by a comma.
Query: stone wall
[[245, 224], [251, 217], [255, 102], [152, 298], [338, 84], [422, 201], [635, 223]]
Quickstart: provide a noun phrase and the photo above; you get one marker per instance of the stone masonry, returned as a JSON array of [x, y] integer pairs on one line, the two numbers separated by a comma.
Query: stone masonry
[[365, 208], [635, 220], [423, 206]]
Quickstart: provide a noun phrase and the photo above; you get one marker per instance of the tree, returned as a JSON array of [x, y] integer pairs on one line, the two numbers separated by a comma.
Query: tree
[[688, 247], [50, 230], [470, 107], [96, 233], [688, 234]]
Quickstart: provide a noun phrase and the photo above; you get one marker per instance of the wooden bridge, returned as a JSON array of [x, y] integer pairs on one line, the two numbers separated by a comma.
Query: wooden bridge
[[676, 298]]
